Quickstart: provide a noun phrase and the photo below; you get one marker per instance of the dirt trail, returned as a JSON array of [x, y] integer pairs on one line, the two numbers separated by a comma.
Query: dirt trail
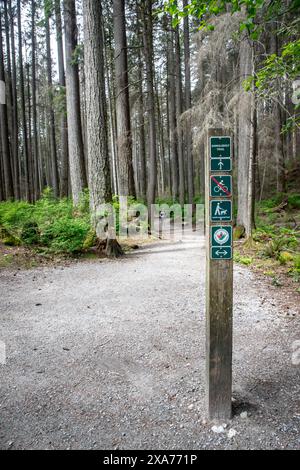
[[111, 355]]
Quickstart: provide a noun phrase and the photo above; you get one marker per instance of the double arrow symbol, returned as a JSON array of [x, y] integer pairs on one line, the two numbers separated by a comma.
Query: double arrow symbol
[[221, 253]]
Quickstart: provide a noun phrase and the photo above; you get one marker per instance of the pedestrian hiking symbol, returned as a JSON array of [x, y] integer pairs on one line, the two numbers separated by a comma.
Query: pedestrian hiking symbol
[[220, 186], [220, 153], [220, 211], [221, 242]]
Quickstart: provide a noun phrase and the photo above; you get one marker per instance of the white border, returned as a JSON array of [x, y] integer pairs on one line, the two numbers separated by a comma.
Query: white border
[[220, 137]]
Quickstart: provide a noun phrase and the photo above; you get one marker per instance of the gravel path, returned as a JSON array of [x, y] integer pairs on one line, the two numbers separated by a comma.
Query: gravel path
[[110, 355]]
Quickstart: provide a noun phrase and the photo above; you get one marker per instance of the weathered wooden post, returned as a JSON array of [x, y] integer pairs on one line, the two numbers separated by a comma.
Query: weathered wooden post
[[219, 274]]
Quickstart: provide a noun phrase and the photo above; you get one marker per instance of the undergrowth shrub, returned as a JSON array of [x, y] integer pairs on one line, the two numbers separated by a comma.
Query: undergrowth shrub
[[30, 233], [65, 235], [52, 223]]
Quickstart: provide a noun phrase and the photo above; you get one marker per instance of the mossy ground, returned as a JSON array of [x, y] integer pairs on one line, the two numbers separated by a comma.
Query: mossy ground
[[274, 250]]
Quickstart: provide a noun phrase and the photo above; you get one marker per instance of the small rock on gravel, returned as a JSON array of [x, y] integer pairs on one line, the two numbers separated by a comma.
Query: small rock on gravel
[[218, 429], [231, 433]]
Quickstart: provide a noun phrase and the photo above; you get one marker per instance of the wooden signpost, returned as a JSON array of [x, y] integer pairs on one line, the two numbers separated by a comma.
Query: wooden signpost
[[219, 275]]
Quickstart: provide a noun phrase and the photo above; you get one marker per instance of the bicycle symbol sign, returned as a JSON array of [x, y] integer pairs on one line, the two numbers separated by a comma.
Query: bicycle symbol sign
[[220, 186]]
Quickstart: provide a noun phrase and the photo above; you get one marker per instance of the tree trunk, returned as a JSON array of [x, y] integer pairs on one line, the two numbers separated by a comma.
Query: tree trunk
[[179, 109], [148, 52], [278, 113], [188, 105], [15, 123], [245, 161], [161, 154], [64, 175], [7, 168], [172, 117], [29, 121], [140, 112], [28, 186], [76, 149], [8, 83], [98, 162], [111, 112], [37, 183], [52, 136], [126, 179]]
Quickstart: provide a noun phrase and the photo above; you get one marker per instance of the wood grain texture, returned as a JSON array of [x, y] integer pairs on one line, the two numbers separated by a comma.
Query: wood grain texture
[[219, 303]]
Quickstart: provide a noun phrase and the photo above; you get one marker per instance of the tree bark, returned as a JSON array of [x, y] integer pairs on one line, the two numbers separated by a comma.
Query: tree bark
[[140, 112], [188, 105], [98, 162], [52, 136], [111, 112], [8, 80], [15, 123], [64, 174], [179, 109], [6, 159], [148, 52], [126, 179], [28, 183], [75, 139], [280, 150], [245, 161], [172, 116], [37, 182]]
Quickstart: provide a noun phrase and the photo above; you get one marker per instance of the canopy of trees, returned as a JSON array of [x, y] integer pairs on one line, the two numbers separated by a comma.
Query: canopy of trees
[[116, 96]]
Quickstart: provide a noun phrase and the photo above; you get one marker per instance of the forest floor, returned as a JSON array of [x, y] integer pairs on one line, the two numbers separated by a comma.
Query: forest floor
[[111, 355]]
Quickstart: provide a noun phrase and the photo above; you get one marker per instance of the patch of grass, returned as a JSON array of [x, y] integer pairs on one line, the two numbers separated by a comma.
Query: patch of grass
[[275, 240], [238, 258], [276, 251], [285, 257], [269, 273], [297, 262], [270, 203], [6, 260], [294, 201]]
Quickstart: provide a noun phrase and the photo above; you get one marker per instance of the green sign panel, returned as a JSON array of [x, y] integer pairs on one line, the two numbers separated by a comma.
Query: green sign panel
[[220, 164], [220, 210], [220, 186], [220, 147], [221, 242], [221, 253]]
